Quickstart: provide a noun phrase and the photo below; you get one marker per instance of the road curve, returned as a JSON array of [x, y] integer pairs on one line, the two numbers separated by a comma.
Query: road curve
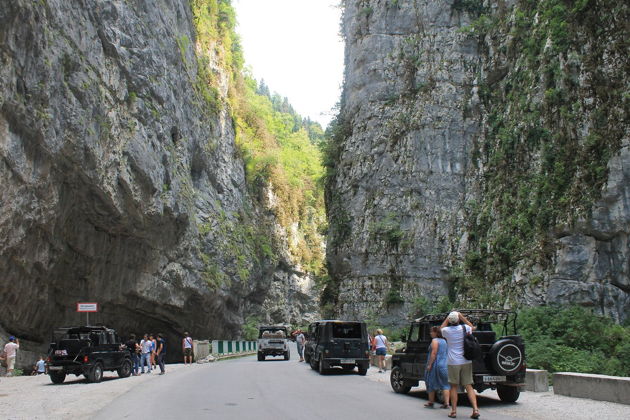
[[275, 389]]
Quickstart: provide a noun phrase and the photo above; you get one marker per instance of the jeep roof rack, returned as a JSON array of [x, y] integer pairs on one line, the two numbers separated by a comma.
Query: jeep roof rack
[[505, 316]]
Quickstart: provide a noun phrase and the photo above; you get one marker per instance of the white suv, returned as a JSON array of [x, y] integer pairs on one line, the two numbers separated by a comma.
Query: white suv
[[273, 341]]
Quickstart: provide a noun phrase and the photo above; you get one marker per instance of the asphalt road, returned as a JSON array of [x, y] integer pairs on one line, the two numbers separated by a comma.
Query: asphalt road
[[275, 389]]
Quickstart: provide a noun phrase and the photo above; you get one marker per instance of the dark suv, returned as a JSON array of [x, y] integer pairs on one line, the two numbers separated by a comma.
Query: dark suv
[[87, 351], [501, 366], [337, 343]]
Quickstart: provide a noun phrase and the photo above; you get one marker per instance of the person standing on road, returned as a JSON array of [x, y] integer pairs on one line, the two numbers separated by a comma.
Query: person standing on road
[[300, 340], [145, 357], [459, 368], [10, 351], [381, 344], [187, 348], [132, 347], [153, 349], [161, 352], [436, 375]]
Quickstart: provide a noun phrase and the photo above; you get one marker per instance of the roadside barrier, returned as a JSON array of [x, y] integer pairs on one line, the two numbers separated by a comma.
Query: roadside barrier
[[596, 387], [221, 347]]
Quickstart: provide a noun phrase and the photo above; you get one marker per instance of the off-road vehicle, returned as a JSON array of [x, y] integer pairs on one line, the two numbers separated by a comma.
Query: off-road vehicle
[[273, 341], [501, 366], [87, 351], [337, 343]]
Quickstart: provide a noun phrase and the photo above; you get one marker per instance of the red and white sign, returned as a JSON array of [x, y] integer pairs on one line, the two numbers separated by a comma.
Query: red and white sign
[[87, 307]]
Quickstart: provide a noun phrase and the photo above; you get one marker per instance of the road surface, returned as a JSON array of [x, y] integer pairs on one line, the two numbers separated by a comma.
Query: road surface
[[276, 389]]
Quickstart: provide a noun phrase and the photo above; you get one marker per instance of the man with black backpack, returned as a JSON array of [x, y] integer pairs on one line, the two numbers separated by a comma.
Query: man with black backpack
[[455, 328]]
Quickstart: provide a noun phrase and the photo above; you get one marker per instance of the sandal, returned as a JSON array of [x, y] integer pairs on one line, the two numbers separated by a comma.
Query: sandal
[[428, 405], [475, 414], [444, 406], [453, 414]]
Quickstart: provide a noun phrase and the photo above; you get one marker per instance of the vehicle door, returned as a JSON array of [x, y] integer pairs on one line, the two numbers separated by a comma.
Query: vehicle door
[[310, 341], [414, 360], [347, 340], [320, 341]]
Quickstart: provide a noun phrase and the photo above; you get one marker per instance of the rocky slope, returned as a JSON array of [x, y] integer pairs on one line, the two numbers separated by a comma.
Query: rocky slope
[[480, 155], [121, 182]]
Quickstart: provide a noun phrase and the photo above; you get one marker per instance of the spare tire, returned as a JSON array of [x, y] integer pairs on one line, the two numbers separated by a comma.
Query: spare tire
[[506, 357]]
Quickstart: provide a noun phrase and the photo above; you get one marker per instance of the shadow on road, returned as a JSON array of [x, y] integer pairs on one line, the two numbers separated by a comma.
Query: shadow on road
[[482, 400], [82, 380]]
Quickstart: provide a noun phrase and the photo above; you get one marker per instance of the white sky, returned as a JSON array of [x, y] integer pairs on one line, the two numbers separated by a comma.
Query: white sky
[[294, 45]]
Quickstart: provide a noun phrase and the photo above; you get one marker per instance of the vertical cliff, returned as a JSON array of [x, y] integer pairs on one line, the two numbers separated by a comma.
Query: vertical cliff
[[479, 155], [121, 179]]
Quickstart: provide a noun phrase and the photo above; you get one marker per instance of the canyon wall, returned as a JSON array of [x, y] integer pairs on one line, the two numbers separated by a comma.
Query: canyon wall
[[479, 158], [121, 185]]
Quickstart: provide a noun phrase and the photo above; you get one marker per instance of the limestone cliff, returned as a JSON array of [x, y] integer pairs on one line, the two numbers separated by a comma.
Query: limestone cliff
[[480, 154], [121, 182]]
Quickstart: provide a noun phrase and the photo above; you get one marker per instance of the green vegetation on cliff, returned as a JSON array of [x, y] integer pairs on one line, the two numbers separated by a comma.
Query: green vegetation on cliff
[[278, 147], [556, 111]]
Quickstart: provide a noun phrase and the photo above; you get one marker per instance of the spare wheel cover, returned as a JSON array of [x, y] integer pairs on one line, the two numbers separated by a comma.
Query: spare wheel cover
[[507, 357]]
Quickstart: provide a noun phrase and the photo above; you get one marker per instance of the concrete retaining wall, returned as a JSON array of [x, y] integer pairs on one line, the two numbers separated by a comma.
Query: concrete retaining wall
[[596, 387], [537, 380], [201, 349]]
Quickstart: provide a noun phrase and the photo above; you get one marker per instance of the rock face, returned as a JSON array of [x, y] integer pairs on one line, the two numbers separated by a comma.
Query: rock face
[[119, 186], [420, 187]]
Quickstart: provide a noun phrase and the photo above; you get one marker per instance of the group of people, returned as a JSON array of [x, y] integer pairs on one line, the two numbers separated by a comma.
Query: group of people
[[446, 367], [149, 351]]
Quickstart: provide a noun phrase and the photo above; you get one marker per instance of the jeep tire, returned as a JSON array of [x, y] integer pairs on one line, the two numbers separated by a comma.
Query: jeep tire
[[261, 357], [57, 377], [287, 355], [313, 363], [363, 370], [323, 369], [124, 371], [508, 393], [397, 382], [96, 373]]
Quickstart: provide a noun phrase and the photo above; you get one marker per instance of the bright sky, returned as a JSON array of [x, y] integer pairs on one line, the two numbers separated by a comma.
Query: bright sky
[[294, 45]]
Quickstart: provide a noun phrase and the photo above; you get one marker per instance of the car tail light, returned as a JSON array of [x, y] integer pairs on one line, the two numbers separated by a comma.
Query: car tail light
[[524, 367], [85, 359], [48, 359]]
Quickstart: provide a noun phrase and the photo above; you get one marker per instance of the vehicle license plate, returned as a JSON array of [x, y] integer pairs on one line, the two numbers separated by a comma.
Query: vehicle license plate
[[494, 378], [347, 361], [61, 352], [55, 368]]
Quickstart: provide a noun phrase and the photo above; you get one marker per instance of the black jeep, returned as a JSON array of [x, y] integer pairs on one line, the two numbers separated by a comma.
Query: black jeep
[[87, 351], [337, 343], [501, 366]]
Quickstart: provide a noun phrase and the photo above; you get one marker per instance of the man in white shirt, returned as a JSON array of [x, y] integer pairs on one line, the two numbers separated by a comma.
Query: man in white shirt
[[145, 357], [187, 348], [459, 368], [299, 340], [10, 349]]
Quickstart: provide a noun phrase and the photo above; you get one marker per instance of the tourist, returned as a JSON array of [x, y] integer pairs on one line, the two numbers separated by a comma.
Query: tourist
[[161, 352], [40, 367], [436, 374], [133, 348], [300, 340], [380, 345], [153, 349], [10, 351], [145, 357], [187, 348], [459, 368]]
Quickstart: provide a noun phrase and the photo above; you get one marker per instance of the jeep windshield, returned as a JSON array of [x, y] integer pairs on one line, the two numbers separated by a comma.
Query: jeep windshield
[[272, 333], [346, 330]]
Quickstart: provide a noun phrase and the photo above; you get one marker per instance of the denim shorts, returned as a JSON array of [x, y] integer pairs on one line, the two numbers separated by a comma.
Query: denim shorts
[[381, 351]]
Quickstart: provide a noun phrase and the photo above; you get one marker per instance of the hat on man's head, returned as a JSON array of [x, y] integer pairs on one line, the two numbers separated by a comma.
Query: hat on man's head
[[11, 338], [453, 317]]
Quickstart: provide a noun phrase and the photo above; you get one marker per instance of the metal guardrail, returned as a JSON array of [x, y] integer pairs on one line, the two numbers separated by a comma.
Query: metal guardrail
[[222, 347]]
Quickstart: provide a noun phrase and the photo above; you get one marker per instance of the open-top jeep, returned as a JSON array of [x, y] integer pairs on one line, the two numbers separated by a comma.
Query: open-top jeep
[[501, 366], [273, 341], [337, 343], [87, 351]]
